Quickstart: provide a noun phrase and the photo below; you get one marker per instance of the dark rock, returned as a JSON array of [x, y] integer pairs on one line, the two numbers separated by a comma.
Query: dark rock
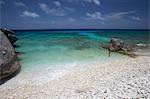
[[19, 53], [116, 44], [9, 64], [16, 46], [4, 52], [10, 35], [12, 38]]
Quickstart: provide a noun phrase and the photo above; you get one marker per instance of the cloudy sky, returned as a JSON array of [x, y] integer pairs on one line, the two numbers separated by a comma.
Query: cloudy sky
[[74, 14]]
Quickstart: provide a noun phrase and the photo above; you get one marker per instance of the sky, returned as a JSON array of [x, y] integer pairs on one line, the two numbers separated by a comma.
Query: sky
[[74, 14]]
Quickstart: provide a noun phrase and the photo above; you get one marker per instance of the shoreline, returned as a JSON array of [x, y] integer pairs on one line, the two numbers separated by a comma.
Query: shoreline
[[125, 78]]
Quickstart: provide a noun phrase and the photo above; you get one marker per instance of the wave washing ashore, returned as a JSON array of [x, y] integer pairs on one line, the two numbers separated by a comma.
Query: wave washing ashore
[[72, 65]]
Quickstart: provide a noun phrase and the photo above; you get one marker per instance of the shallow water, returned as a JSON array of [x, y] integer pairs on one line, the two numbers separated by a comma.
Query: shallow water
[[67, 49]]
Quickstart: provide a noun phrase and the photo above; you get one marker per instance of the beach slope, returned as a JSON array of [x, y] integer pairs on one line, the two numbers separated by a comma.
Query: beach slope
[[126, 78]]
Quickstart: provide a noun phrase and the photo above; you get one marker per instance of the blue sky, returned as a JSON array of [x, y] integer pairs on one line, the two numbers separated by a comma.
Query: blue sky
[[74, 14]]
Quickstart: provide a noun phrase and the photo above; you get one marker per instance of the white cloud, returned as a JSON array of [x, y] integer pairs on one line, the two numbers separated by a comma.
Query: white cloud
[[136, 18], [2, 2], [71, 19], [59, 11], [94, 16], [30, 14], [69, 9], [97, 2], [113, 16], [57, 3], [117, 15], [19, 4], [44, 7]]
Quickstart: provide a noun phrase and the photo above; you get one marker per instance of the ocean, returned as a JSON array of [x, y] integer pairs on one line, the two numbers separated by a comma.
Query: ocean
[[65, 49]]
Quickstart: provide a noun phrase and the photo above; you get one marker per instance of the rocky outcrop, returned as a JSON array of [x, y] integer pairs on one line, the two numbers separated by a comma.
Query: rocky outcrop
[[10, 35], [9, 64], [117, 45]]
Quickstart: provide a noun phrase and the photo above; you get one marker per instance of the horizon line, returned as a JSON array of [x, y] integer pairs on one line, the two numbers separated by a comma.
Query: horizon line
[[71, 29]]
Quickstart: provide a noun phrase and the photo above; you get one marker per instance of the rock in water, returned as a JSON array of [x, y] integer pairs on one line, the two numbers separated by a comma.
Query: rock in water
[[116, 44], [9, 64]]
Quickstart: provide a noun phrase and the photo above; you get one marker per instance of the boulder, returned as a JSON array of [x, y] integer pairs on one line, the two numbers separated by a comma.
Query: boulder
[[9, 64], [116, 44], [10, 35]]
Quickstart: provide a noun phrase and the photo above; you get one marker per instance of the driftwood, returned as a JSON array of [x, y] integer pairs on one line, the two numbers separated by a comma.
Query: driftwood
[[117, 45]]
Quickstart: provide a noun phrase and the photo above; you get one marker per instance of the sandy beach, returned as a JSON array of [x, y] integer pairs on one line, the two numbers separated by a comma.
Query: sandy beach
[[125, 78], [74, 49]]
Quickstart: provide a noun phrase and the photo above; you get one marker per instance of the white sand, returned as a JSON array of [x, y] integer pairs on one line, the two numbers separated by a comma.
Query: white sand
[[125, 78]]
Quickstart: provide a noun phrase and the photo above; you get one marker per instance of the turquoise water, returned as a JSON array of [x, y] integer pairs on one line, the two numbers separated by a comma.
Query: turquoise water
[[42, 49]]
